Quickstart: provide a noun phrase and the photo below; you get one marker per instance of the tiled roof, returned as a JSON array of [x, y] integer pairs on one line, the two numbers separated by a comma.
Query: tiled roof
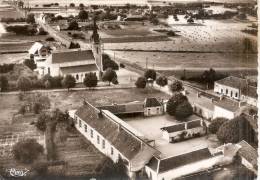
[[124, 108], [174, 128], [79, 69], [232, 81], [193, 124], [184, 159], [151, 102], [250, 91], [72, 56], [248, 152], [122, 140]]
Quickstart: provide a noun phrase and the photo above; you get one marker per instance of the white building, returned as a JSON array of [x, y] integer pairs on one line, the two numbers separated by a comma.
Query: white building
[[153, 107], [180, 165], [111, 136], [39, 52]]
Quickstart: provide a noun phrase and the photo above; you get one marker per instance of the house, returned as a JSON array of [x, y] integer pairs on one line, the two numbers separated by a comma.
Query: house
[[112, 137], [203, 106], [184, 131], [228, 108], [152, 106], [249, 95], [39, 52], [248, 156], [176, 166], [76, 62], [230, 86]]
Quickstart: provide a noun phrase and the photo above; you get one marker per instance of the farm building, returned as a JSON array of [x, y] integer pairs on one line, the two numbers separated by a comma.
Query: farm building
[[182, 131], [153, 107], [74, 62]]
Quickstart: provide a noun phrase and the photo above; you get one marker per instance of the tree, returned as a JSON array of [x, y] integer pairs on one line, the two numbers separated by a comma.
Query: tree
[[90, 80], [140, 82], [216, 124], [190, 20], [183, 110], [30, 19], [69, 82], [30, 64], [24, 83], [27, 151], [41, 123], [109, 75], [83, 15], [150, 74], [109, 63], [173, 102], [3, 83], [176, 86], [162, 81], [209, 77], [81, 6], [235, 130], [72, 5], [73, 25]]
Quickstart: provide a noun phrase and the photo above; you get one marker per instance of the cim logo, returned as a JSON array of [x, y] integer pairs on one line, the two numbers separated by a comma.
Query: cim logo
[[17, 172]]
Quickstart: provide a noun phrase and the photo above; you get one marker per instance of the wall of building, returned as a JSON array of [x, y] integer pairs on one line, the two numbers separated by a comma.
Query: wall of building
[[249, 100], [203, 112], [152, 111], [227, 91], [221, 112]]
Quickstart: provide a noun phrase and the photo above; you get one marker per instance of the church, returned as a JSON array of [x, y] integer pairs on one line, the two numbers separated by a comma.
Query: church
[[75, 62]]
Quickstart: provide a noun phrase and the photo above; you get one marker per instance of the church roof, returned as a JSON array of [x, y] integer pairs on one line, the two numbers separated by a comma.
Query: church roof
[[72, 56], [79, 69]]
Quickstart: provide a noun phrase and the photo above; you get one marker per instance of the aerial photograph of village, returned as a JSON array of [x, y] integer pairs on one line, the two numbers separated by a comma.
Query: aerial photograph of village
[[128, 90]]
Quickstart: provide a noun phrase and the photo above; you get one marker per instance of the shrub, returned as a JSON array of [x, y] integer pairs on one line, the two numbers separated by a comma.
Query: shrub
[[26, 151], [183, 110], [41, 122], [83, 15], [30, 19], [140, 82], [174, 101], [50, 39], [30, 64], [215, 125], [5, 68], [122, 65], [73, 25], [24, 83]]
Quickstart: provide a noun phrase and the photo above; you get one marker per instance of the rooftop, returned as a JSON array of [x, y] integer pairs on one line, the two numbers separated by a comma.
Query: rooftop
[[181, 126], [233, 81], [151, 102], [250, 91], [79, 69], [248, 152], [72, 56], [228, 104]]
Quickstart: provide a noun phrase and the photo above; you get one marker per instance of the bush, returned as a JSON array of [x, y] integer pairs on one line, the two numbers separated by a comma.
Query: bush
[[73, 25], [27, 151], [22, 30], [216, 124], [174, 101], [176, 86], [42, 32], [90, 80], [183, 110], [83, 15], [30, 19], [50, 39], [30, 64], [5, 68], [41, 122], [122, 65], [140, 82], [235, 130], [69, 82]]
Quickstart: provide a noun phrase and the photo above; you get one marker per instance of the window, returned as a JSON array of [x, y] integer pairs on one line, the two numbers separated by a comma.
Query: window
[[221, 90], [86, 128], [91, 133], [97, 50], [103, 144], [236, 94], [77, 76], [49, 70], [231, 93], [226, 91], [98, 139], [158, 110], [79, 123], [112, 151]]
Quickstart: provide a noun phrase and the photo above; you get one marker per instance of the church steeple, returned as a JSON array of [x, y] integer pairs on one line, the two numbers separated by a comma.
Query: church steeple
[[95, 36]]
